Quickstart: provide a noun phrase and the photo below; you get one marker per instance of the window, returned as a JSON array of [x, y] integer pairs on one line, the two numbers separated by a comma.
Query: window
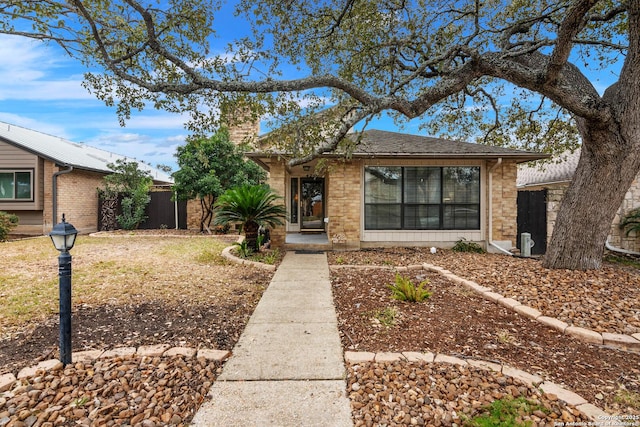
[[422, 198], [15, 185]]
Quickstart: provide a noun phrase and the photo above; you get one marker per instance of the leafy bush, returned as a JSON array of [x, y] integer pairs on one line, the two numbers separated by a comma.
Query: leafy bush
[[405, 290], [463, 245], [133, 185], [7, 223]]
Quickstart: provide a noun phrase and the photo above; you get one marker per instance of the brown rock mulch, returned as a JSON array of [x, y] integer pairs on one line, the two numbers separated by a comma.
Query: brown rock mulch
[[457, 321], [130, 390]]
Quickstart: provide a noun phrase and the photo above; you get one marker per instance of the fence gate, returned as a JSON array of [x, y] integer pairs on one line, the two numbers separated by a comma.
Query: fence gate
[[532, 218], [160, 212]]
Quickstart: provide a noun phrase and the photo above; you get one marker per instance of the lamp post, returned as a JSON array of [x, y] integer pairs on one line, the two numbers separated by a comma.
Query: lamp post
[[63, 236]]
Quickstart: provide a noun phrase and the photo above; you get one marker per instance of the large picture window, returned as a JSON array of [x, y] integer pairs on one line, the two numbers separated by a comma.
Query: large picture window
[[422, 198], [16, 185]]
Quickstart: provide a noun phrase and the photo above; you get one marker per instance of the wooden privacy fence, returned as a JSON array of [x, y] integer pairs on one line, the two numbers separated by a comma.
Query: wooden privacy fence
[[161, 212]]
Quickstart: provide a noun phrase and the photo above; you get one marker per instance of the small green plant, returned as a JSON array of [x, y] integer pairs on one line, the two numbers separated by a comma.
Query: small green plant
[[405, 290], [505, 337], [340, 260], [505, 413], [385, 316], [164, 227], [244, 251], [463, 245], [80, 402], [7, 223], [267, 257], [628, 398]]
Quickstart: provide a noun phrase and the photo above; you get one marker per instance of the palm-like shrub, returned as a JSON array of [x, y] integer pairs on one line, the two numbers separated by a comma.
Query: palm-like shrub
[[252, 206], [631, 222]]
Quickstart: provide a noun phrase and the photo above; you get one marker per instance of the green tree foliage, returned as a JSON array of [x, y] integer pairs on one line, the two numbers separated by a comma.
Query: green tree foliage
[[510, 72], [132, 185], [210, 166], [7, 223], [253, 206]]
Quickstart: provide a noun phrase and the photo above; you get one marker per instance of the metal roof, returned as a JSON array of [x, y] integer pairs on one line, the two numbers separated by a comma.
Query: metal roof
[[68, 153]]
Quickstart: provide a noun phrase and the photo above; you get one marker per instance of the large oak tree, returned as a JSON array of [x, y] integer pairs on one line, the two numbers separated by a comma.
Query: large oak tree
[[508, 72]]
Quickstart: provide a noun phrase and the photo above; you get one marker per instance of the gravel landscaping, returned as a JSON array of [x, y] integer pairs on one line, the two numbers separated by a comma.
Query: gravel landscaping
[[153, 391], [456, 321]]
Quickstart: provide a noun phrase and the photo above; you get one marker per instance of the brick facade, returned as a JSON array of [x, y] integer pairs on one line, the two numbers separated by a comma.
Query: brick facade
[[78, 199], [344, 184], [504, 202]]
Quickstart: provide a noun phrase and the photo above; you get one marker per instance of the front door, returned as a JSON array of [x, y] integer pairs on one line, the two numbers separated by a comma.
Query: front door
[[312, 204]]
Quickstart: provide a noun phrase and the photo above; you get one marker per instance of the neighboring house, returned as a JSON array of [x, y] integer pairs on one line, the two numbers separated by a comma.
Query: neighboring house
[[400, 190], [540, 192], [43, 176]]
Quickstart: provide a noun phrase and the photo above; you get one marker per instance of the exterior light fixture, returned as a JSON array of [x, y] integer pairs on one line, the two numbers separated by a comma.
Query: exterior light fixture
[[63, 236], [306, 168]]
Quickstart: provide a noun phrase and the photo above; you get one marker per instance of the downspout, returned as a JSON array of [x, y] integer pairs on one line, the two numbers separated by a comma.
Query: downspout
[[491, 242], [620, 250], [54, 192]]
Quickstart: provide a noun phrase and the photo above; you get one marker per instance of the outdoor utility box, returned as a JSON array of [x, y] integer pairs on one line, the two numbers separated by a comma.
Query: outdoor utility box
[[526, 243]]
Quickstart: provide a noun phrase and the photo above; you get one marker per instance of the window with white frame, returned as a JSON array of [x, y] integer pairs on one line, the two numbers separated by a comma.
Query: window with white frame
[[16, 185], [422, 198]]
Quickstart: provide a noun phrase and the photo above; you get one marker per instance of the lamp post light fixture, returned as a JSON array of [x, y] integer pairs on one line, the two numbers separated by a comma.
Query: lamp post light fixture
[[63, 236]]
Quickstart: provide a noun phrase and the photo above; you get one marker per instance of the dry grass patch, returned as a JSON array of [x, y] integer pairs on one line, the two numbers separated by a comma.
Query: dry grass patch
[[113, 271]]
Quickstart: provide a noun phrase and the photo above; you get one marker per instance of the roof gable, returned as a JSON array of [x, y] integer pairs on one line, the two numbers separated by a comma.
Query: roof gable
[[68, 153]]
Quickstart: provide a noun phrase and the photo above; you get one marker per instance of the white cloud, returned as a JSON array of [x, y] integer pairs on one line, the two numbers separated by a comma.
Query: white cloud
[[30, 70]]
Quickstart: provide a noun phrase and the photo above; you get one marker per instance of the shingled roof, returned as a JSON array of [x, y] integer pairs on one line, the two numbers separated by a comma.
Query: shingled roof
[[386, 144], [561, 170], [68, 153], [393, 144]]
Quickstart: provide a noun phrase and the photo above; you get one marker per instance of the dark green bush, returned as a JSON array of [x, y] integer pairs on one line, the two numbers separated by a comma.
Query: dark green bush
[[463, 245], [7, 223]]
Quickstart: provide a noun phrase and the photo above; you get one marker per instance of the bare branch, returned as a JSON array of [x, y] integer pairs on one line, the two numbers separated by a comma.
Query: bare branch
[[573, 23]]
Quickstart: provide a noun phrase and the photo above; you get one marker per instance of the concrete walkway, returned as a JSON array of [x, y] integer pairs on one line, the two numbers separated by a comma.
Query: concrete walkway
[[287, 369]]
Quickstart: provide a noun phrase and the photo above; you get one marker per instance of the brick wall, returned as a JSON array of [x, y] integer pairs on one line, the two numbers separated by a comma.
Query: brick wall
[[344, 192], [277, 179], [77, 199], [504, 202]]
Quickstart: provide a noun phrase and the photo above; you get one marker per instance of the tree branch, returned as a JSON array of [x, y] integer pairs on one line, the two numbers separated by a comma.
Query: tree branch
[[573, 23]]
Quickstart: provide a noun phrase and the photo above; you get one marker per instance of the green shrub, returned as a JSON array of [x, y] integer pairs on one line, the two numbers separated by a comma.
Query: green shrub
[[405, 290], [631, 221], [7, 223], [244, 251], [505, 413], [463, 245]]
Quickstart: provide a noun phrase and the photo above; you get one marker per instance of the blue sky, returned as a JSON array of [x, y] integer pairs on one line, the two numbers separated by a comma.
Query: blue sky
[[41, 89]]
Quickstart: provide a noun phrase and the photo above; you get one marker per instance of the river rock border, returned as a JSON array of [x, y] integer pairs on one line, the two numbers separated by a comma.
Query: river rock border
[[571, 398], [618, 341], [158, 350]]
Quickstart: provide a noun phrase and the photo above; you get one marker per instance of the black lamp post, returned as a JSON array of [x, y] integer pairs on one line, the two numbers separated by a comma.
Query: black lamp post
[[63, 236]]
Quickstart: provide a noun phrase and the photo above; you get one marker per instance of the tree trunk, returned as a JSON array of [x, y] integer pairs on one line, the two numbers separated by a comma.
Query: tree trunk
[[251, 235], [609, 162]]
